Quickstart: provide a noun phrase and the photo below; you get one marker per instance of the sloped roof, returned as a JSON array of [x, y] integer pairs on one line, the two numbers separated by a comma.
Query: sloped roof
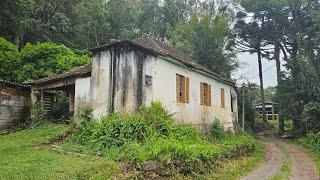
[[13, 84], [160, 48], [79, 71]]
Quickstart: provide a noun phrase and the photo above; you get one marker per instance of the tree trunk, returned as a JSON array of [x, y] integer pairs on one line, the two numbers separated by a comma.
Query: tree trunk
[[261, 86], [279, 93]]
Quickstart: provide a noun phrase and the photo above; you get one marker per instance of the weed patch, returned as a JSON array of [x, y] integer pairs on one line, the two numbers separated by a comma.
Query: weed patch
[[150, 137], [312, 143]]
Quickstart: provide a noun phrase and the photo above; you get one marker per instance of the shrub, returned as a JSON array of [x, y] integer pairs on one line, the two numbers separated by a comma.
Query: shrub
[[311, 141], [150, 135], [37, 114], [158, 118], [116, 130], [217, 130], [188, 132], [311, 117], [9, 60], [46, 59]]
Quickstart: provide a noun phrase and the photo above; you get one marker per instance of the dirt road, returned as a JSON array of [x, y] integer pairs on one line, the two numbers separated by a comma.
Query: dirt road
[[301, 167]]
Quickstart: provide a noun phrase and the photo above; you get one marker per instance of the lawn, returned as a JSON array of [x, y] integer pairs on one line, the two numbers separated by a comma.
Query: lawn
[[24, 155], [29, 155]]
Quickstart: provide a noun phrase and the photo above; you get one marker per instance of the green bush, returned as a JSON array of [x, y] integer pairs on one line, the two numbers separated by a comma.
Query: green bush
[[188, 132], [217, 130], [311, 117], [115, 130], [9, 60], [311, 141], [150, 135], [47, 59], [37, 114]]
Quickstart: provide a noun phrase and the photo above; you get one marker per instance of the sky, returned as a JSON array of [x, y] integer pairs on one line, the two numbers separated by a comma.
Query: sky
[[249, 70]]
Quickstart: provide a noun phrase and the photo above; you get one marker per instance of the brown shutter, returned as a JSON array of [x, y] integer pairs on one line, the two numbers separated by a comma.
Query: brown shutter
[[177, 88], [222, 98], [209, 95], [187, 89], [201, 93]]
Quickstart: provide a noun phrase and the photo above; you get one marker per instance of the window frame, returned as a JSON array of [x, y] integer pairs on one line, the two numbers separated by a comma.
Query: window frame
[[205, 94], [182, 89], [222, 98]]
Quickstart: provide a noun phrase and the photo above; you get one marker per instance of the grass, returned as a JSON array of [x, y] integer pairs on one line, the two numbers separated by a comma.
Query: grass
[[312, 143], [315, 155], [29, 155], [285, 167], [24, 155], [237, 168]]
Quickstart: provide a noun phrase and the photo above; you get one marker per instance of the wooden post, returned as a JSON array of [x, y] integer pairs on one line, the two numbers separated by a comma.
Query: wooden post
[[33, 96], [42, 100], [243, 109], [272, 106]]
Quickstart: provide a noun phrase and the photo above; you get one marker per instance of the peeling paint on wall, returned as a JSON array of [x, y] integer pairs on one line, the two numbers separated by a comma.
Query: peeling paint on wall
[[82, 94]]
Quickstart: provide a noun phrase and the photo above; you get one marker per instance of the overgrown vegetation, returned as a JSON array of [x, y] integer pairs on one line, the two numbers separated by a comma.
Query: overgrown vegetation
[[36, 61], [311, 117], [312, 143], [151, 136]]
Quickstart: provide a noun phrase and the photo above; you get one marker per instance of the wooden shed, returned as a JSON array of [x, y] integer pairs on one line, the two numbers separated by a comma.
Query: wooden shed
[[14, 100]]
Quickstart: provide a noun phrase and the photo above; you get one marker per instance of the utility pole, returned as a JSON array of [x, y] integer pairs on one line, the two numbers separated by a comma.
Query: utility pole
[[243, 89]]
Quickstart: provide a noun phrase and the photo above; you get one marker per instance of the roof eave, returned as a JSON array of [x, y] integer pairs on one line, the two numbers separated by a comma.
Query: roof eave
[[214, 76]]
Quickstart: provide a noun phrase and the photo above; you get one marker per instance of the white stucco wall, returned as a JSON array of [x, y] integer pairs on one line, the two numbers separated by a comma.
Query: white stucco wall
[[163, 71], [164, 90], [82, 94], [100, 88]]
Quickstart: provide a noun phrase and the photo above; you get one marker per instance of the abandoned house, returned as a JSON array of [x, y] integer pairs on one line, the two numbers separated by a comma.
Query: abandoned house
[[128, 74], [14, 99], [272, 111]]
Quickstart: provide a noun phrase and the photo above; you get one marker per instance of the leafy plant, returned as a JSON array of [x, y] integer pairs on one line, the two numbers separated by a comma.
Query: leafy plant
[[311, 117], [9, 60], [37, 115], [311, 141], [217, 130], [47, 59], [150, 135]]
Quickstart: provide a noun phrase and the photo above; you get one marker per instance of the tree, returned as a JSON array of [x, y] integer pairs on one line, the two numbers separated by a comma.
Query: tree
[[47, 59], [35, 20], [9, 60], [252, 40], [208, 39], [292, 28]]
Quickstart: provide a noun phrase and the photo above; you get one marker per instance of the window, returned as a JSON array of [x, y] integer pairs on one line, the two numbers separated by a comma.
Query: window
[[205, 94], [222, 99], [148, 80], [182, 89]]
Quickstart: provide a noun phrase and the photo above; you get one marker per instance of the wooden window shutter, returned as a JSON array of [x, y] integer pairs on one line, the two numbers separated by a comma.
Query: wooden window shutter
[[209, 95], [201, 93], [222, 98], [187, 89], [178, 88]]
